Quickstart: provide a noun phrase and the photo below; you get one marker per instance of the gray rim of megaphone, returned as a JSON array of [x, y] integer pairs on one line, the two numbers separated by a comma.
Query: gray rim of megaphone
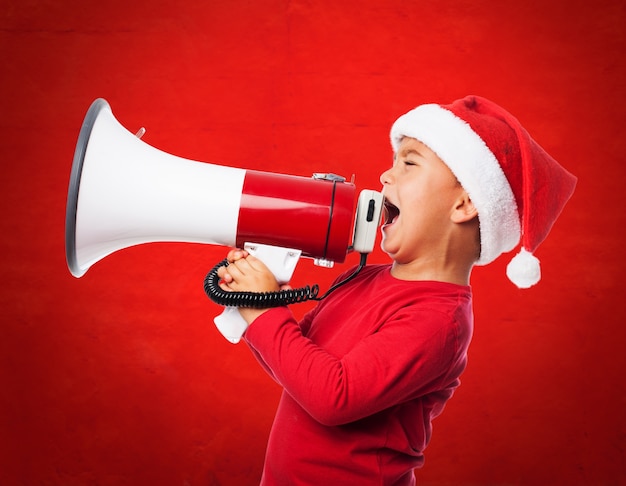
[[72, 194]]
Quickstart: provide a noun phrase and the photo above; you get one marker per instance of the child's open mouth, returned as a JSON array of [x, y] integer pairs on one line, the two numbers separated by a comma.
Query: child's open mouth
[[391, 212]]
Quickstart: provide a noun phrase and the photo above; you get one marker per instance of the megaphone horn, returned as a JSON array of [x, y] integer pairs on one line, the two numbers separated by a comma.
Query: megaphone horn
[[124, 192]]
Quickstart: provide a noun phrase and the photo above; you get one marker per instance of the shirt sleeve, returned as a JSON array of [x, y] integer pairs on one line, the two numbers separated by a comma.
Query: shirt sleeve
[[409, 356], [304, 324]]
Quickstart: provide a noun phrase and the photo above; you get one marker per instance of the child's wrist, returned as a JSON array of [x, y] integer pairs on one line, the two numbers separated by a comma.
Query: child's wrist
[[250, 315]]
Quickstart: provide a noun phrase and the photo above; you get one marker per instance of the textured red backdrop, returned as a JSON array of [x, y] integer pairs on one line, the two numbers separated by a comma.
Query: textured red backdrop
[[120, 378]]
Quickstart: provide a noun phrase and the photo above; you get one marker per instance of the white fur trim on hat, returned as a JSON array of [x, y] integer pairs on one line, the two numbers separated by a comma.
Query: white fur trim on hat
[[476, 168]]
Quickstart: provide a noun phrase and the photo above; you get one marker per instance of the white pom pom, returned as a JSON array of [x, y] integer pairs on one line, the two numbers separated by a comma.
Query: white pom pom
[[524, 270]]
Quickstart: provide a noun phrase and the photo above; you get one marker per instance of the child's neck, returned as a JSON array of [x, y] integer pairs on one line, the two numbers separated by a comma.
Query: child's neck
[[420, 270]]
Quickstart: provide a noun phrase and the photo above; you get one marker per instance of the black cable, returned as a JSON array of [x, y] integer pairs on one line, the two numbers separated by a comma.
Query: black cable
[[263, 300]]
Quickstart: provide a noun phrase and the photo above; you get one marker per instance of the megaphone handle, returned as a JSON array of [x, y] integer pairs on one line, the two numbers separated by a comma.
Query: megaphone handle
[[231, 325], [281, 262]]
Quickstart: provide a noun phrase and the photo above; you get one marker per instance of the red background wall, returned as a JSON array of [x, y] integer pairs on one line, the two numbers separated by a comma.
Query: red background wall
[[120, 378]]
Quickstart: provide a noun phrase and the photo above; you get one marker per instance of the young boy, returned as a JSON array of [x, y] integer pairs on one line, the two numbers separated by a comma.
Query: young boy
[[366, 371]]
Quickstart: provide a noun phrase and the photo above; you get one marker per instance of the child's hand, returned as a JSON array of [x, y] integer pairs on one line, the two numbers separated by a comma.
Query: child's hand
[[246, 273], [222, 272]]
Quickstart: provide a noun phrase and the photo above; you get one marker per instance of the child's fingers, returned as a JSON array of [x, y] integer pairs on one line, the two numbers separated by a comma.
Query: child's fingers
[[255, 264], [234, 271], [240, 268], [236, 255]]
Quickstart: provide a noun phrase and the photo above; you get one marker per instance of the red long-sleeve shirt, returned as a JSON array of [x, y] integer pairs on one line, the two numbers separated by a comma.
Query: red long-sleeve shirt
[[364, 373]]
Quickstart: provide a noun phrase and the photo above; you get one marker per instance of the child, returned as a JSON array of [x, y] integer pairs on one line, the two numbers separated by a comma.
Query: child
[[366, 371]]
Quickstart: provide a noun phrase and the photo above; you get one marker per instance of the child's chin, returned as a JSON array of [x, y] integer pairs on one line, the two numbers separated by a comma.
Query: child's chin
[[384, 246]]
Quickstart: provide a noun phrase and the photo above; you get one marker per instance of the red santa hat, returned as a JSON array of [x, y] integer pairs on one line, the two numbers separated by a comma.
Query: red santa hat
[[518, 189]]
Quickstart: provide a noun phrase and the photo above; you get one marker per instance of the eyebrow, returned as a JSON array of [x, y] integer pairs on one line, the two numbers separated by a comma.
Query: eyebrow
[[410, 151]]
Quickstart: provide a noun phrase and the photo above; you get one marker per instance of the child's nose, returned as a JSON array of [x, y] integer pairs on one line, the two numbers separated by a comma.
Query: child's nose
[[385, 177]]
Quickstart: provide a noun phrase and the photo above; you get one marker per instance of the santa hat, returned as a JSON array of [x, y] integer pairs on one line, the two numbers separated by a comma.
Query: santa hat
[[518, 189]]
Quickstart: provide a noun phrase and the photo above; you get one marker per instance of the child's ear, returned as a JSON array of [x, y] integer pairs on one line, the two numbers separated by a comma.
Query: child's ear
[[464, 209]]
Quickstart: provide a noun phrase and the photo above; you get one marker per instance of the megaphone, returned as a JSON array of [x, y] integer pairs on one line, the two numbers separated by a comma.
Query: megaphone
[[124, 192]]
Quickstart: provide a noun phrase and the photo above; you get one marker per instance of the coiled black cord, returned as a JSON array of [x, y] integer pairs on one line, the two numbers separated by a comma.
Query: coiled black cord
[[264, 300]]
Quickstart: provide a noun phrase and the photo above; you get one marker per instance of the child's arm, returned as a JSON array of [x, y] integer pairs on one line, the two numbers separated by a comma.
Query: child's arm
[[405, 359], [408, 357]]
